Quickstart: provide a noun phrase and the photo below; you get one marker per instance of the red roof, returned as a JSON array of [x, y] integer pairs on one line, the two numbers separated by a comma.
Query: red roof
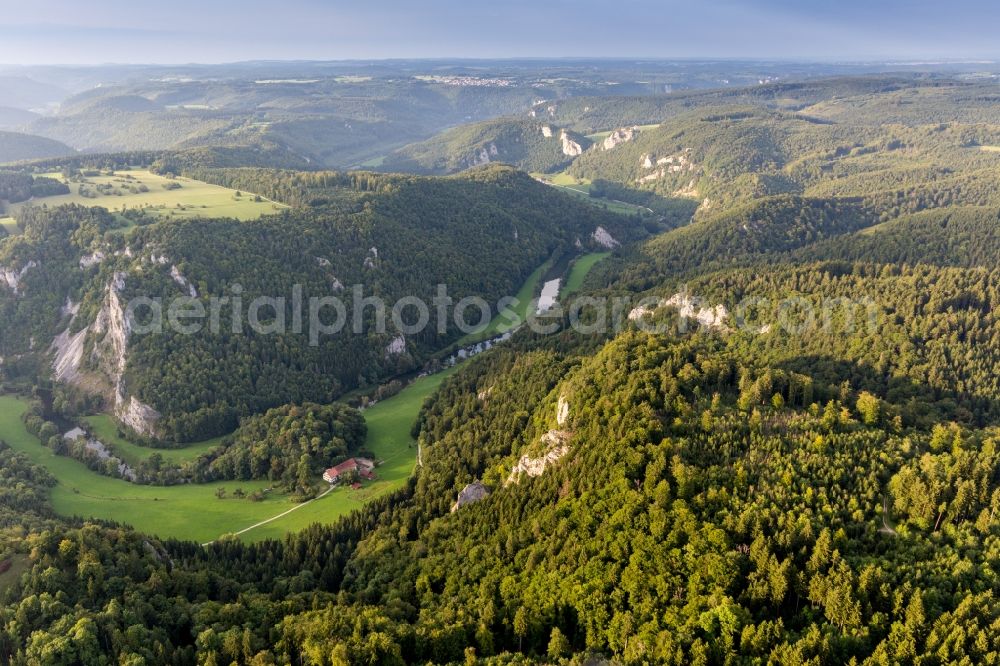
[[350, 465]]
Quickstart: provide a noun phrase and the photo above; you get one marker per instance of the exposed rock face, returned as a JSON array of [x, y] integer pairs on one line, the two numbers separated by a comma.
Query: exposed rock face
[[111, 330], [323, 262], [472, 493], [175, 273], [484, 156], [92, 259], [12, 277], [677, 163], [562, 411], [557, 442], [570, 148], [68, 356], [546, 131], [688, 308], [396, 347], [619, 136], [135, 414], [604, 239]]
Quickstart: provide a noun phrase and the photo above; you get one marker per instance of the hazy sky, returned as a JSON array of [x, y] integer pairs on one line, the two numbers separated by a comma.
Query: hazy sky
[[174, 31]]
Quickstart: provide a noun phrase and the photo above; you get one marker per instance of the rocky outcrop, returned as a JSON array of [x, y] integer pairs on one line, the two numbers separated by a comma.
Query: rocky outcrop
[[112, 329], [604, 239], [546, 131], [12, 277], [110, 333], [484, 156], [562, 411], [68, 356], [396, 346], [92, 259], [557, 446], [688, 307], [137, 415], [570, 148], [619, 136], [472, 493], [671, 164], [175, 273]]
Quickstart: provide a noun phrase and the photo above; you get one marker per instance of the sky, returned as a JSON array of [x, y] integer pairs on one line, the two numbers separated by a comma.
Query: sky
[[207, 31]]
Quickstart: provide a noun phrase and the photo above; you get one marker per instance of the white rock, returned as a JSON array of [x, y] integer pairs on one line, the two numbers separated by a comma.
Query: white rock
[[175, 273], [396, 347], [570, 148], [546, 131], [92, 259], [604, 239], [12, 277], [562, 411], [619, 136]]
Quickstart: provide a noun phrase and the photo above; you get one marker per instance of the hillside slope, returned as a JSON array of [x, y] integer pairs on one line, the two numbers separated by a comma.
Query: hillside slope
[[15, 147], [69, 281]]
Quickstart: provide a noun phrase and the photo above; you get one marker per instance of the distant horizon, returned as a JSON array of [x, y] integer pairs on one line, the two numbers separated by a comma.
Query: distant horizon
[[61, 32], [805, 60]]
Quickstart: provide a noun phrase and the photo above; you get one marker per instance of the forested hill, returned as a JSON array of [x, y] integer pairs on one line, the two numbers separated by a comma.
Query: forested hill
[[788, 454], [530, 144], [15, 147], [395, 236]]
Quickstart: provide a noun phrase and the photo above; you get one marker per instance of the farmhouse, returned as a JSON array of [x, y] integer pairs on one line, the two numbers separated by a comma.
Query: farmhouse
[[362, 467]]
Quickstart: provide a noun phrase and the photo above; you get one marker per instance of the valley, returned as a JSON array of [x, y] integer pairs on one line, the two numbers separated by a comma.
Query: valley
[[193, 511], [770, 437]]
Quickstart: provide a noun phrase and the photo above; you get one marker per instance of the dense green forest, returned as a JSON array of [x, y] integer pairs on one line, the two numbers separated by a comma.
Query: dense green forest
[[787, 455], [393, 235], [289, 445]]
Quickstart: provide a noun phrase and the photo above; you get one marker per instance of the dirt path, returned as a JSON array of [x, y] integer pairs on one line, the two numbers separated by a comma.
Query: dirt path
[[280, 515]]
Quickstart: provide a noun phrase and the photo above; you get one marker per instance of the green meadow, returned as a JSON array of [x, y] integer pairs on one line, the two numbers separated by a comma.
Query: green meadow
[[192, 511], [502, 323], [105, 429], [579, 270], [580, 187], [192, 199]]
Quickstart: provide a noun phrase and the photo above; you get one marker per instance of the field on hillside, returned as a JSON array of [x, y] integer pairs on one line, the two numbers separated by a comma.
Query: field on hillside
[[192, 199], [581, 187], [105, 429], [10, 225], [580, 269], [192, 511]]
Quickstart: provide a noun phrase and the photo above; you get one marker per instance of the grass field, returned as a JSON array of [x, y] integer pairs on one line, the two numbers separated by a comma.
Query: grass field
[[192, 511], [990, 149], [500, 324], [581, 187], [10, 225], [193, 199], [105, 429], [580, 269]]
